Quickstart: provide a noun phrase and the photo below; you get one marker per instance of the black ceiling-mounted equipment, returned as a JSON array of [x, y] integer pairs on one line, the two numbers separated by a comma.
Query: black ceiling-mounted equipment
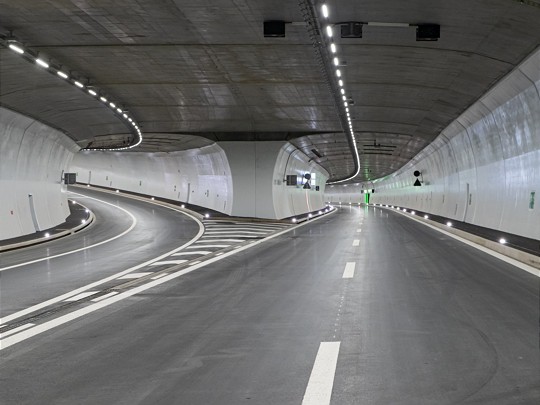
[[274, 28], [351, 30], [428, 32]]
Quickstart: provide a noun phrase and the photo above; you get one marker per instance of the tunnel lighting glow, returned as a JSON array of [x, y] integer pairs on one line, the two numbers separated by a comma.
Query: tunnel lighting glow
[[112, 105], [309, 215], [83, 221], [338, 73], [125, 115], [342, 91], [413, 212], [73, 202], [324, 9], [47, 234], [42, 63], [333, 47], [87, 211], [449, 223], [117, 191], [119, 110], [182, 206], [392, 206], [326, 210], [347, 109], [152, 198], [426, 216], [329, 31], [404, 210], [340, 82], [399, 209], [336, 61], [16, 48], [344, 98], [502, 241], [88, 185], [207, 215], [320, 212], [345, 103], [294, 220]]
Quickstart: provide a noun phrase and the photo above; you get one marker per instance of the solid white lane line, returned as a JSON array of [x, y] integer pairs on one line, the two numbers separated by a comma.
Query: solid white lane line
[[19, 337], [349, 270], [16, 330], [321, 381], [195, 252], [133, 223], [206, 239], [237, 233], [135, 275], [223, 228], [356, 242], [207, 246], [218, 239], [62, 297], [159, 276], [500, 256], [81, 296], [104, 296], [164, 262]]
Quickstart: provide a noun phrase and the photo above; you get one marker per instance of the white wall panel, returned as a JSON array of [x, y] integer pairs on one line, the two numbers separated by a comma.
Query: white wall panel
[[33, 157], [200, 177], [484, 166]]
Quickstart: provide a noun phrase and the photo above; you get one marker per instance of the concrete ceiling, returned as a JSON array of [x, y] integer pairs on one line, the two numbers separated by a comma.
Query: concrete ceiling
[[192, 73]]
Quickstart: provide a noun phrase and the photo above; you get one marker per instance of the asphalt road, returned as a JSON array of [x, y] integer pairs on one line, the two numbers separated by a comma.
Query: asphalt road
[[424, 319], [157, 230]]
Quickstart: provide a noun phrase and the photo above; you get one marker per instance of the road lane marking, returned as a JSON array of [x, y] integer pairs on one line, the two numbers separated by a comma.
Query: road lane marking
[[358, 230], [30, 332], [349, 270], [81, 296], [356, 242], [523, 266], [16, 330], [195, 252], [168, 262], [104, 296], [133, 224], [207, 246], [321, 380], [62, 297], [159, 276], [131, 276]]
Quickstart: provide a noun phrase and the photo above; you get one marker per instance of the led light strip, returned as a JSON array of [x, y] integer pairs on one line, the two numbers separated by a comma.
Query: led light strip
[[92, 91], [335, 59]]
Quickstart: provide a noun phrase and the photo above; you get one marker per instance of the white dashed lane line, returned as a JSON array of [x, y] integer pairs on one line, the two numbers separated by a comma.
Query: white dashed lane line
[[356, 242], [349, 270]]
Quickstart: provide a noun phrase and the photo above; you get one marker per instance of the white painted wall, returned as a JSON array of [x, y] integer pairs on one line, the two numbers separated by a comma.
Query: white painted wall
[[484, 166], [198, 176], [33, 157], [258, 172], [236, 178]]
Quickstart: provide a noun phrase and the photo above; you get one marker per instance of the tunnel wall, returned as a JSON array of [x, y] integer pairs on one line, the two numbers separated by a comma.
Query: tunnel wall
[[199, 176], [484, 168], [33, 157], [236, 178]]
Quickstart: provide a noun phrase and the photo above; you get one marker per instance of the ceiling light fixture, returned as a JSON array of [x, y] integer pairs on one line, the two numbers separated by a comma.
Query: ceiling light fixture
[[17, 48], [42, 63], [333, 47], [329, 31], [62, 74], [324, 9], [78, 84]]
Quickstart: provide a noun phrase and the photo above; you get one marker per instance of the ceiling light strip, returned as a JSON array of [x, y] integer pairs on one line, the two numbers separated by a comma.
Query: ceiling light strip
[[322, 36], [8, 41]]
